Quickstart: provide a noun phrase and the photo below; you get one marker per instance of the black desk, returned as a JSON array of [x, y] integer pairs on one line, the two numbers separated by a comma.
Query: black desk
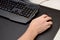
[[10, 30]]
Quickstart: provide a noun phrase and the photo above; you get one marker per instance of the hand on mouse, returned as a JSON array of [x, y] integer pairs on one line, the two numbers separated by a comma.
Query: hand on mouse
[[37, 26], [41, 24]]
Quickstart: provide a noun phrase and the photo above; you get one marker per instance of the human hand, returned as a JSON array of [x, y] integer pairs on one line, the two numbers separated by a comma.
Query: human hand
[[40, 24], [36, 27]]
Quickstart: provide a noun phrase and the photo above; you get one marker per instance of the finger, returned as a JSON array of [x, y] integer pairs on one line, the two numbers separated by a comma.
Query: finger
[[50, 23], [48, 18], [49, 26]]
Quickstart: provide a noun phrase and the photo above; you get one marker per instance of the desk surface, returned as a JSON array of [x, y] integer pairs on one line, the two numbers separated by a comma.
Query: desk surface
[[10, 30], [48, 3]]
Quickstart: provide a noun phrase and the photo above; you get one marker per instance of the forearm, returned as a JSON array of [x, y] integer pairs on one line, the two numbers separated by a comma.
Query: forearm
[[28, 35]]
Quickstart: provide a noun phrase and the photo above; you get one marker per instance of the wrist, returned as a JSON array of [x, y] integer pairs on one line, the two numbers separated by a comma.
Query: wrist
[[32, 32]]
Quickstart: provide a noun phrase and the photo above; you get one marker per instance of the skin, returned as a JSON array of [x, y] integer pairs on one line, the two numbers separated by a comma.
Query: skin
[[37, 26]]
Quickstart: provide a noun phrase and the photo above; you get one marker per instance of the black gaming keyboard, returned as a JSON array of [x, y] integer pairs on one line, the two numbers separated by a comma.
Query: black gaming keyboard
[[17, 11]]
